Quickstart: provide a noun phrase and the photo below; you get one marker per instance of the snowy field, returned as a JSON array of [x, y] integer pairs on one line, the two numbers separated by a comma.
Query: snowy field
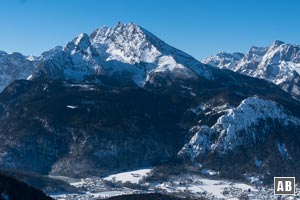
[[131, 176]]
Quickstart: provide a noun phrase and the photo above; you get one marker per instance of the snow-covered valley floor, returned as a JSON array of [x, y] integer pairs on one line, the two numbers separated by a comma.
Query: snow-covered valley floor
[[187, 185]]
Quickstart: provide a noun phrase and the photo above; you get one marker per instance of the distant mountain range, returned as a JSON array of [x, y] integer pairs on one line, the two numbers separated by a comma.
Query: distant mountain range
[[278, 63], [13, 67], [121, 98]]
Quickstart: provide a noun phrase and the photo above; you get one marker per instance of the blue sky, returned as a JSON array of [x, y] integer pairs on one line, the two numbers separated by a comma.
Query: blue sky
[[199, 27]]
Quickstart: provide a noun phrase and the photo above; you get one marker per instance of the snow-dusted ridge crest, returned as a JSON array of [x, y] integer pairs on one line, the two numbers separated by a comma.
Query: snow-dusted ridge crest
[[236, 127], [124, 49]]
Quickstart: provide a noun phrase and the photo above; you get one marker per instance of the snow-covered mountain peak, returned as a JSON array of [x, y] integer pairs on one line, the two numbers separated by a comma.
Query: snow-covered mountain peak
[[124, 42], [277, 43], [50, 53], [278, 63], [120, 28], [80, 44], [125, 49], [82, 41], [133, 44], [284, 52], [256, 52]]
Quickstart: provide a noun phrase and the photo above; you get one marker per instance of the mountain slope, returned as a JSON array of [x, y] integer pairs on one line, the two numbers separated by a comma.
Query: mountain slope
[[257, 136], [279, 63], [81, 130], [240, 126]]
